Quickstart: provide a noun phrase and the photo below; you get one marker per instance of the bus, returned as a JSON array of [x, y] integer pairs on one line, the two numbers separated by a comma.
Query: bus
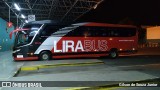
[[45, 40]]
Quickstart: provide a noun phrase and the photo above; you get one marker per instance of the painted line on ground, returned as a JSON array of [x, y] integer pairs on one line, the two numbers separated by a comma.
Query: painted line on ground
[[17, 71], [13, 73], [37, 67]]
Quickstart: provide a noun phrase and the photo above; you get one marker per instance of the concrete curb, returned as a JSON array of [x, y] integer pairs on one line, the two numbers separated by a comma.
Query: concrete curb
[[37, 67]]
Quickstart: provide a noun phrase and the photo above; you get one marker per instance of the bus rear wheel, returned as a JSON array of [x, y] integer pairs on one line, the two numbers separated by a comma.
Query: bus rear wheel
[[113, 54], [45, 55]]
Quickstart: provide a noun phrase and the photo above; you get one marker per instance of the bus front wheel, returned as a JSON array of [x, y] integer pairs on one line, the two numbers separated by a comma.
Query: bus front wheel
[[113, 54], [45, 55]]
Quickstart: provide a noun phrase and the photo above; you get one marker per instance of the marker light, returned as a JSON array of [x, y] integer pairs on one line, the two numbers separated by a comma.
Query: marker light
[[110, 38], [133, 49], [17, 7]]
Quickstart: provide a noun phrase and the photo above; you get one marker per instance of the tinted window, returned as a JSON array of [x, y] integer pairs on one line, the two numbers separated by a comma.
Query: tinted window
[[48, 30], [102, 32], [25, 36], [79, 32], [121, 32]]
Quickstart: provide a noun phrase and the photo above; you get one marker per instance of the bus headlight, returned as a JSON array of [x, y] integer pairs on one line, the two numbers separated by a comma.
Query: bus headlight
[[30, 54]]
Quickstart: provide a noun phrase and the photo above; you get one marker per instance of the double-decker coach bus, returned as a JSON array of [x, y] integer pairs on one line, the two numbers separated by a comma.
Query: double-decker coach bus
[[45, 40]]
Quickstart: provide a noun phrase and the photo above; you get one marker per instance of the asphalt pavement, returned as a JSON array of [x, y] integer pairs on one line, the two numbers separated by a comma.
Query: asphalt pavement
[[141, 66]]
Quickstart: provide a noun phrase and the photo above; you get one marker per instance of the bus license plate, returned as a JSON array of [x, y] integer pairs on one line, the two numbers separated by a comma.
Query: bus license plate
[[19, 56]]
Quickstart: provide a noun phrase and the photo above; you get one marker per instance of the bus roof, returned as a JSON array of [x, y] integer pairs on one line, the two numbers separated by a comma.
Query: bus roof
[[42, 22], [103, 24], [53, 22], [45, 22]]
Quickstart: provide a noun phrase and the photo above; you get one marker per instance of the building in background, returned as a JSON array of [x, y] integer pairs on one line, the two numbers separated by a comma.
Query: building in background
[[153, 34], [149, 36]]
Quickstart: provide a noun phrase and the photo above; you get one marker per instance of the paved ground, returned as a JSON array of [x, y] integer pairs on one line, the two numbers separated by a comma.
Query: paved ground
[[7, 66], [141, 66]]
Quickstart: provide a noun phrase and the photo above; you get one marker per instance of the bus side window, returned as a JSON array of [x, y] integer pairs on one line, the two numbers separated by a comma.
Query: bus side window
[[48, 30], [87, 31], [103, 32], [109, 31], [96, 32], [74, 32], [113, 32], [79, 32], [116, 33], [132, 32], [43, 33], [127, 32]]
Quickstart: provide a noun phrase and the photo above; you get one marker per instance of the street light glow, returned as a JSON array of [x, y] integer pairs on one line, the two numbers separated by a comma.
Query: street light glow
[[17, 7], [23, 16], [26, 21]]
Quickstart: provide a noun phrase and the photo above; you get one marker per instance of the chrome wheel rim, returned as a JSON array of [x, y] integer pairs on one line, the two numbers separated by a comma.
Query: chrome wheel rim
[[45, 56], [113, 54]]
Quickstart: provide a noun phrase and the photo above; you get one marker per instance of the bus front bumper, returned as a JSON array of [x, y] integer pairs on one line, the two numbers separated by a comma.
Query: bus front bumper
[[26, 58]]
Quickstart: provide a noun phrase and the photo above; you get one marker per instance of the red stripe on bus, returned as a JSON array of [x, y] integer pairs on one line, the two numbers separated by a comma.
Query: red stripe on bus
[[87, 55], [27, 58], [109, 25]]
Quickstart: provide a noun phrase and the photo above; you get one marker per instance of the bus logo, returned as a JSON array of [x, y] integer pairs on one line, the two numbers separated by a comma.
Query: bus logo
[[86, 45]]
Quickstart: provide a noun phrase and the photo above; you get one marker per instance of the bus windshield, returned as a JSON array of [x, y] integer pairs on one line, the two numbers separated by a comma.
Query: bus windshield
[[26, 36]]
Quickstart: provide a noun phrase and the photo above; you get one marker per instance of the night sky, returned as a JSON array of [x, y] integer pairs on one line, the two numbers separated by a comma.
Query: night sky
[[139, 12]]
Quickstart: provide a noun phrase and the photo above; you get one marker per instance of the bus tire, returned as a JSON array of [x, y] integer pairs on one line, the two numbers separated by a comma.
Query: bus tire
[[113, 54], [45, 55]]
